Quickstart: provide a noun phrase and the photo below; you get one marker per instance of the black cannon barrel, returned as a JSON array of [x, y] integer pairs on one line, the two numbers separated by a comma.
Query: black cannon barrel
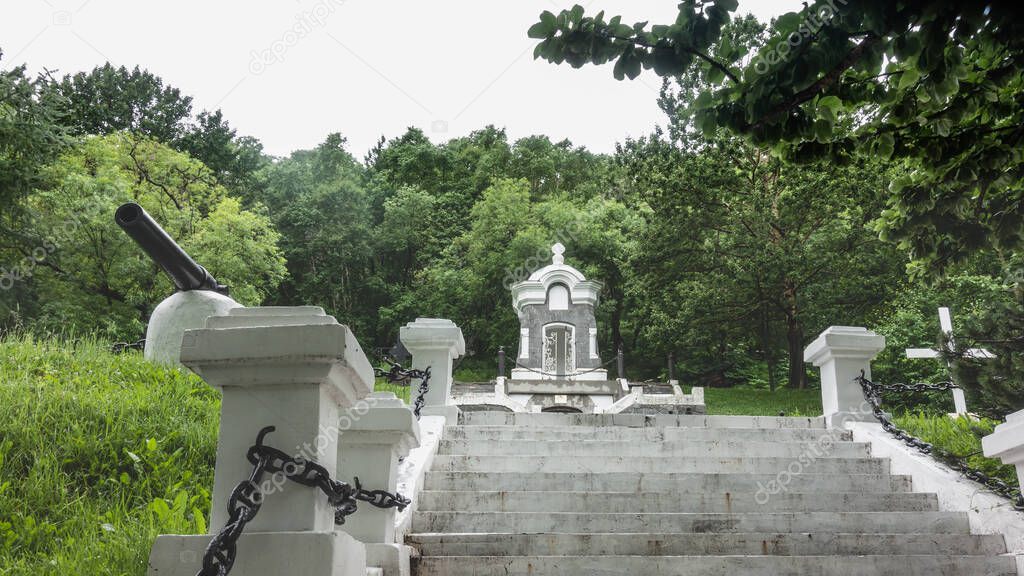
[[162, 249]]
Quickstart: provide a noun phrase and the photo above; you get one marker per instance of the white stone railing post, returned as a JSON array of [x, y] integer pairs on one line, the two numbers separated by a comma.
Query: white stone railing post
[[373, 436], [435, 343], [842, 353], [1006, 442], [293, 368]]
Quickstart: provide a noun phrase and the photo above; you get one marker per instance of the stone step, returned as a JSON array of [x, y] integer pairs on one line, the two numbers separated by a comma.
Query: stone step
[[761, 543], [648, 434], [682, 483], [666, 449], [789, 522], [603, 464], [637, 420], [654, 502], [716, 565]]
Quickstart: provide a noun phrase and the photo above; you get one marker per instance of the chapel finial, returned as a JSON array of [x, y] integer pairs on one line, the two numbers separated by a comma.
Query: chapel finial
[[558, 250]]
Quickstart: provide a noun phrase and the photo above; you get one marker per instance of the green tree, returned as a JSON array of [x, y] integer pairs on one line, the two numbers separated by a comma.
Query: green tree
[[90, 277], [743, 253], [32, 132], [930, 84], [511, 235], [108, 100], [318, 202]]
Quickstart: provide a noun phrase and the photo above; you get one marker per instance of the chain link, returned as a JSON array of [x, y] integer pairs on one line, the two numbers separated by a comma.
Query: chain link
[[122, 347], [395, 374], [873, 395], [247, 498], [574, 374]]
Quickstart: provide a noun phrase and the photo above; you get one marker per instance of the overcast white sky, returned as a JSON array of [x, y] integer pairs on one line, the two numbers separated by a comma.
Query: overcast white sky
[[364, 68]]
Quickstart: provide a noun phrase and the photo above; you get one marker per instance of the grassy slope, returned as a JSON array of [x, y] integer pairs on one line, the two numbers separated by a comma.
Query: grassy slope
[[100, 453]]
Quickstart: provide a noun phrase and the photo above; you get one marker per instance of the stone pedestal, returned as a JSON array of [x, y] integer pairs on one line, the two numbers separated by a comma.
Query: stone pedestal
[[292, 368], [435, 343], [179, 312], [842, 352], [1006, 442], [371, 441]]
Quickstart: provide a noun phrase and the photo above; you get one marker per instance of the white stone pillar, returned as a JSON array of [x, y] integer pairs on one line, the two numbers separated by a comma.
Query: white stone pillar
[[435, 343], [372, 439], [841, 353], [1006, 442], [293, 368]]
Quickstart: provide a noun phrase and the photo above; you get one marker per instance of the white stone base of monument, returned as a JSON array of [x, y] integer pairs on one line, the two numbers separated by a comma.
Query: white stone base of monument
[[265, 554], [179, 312], [393, 559]]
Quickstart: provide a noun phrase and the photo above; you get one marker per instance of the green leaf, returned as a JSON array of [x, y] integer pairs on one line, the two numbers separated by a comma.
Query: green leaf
[[704, 100], [576, 15], [715, 75], [787, 22], [909, 78], [197, 516], [540, 30], [832, 103], [886, 143], [822, 130]]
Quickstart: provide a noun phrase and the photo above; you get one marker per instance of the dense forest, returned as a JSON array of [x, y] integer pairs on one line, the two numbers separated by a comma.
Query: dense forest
[[711, 246]]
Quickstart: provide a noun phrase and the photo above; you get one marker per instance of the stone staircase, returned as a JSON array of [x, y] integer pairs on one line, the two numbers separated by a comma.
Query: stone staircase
[[594, 494]]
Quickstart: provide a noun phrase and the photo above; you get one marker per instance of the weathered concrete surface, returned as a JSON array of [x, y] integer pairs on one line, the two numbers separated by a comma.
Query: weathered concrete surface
[[601, 494]]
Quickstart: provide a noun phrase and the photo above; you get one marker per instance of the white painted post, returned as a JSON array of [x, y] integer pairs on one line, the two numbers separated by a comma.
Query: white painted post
[[841, 353], [1006, 442], [959, 402], [435, 343], [372, 439], [293, 368]]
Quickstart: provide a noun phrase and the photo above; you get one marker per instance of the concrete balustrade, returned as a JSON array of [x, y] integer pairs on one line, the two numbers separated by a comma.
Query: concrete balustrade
[[294, 368], [372, 440]]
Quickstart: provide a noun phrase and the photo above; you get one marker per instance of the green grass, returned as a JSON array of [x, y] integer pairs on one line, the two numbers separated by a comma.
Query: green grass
[[763, 402], [959, 436], [98, 455]]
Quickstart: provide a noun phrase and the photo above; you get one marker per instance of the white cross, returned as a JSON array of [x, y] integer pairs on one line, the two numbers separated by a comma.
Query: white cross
[[946, 323]]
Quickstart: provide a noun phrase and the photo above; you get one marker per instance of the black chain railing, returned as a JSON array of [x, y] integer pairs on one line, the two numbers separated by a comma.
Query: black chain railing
[[873, 394], [122, 347], [247, 498], [395, 374], [572, 375]]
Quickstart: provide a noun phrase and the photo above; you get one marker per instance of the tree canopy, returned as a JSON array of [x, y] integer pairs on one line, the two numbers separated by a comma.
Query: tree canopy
[[934, 86]]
